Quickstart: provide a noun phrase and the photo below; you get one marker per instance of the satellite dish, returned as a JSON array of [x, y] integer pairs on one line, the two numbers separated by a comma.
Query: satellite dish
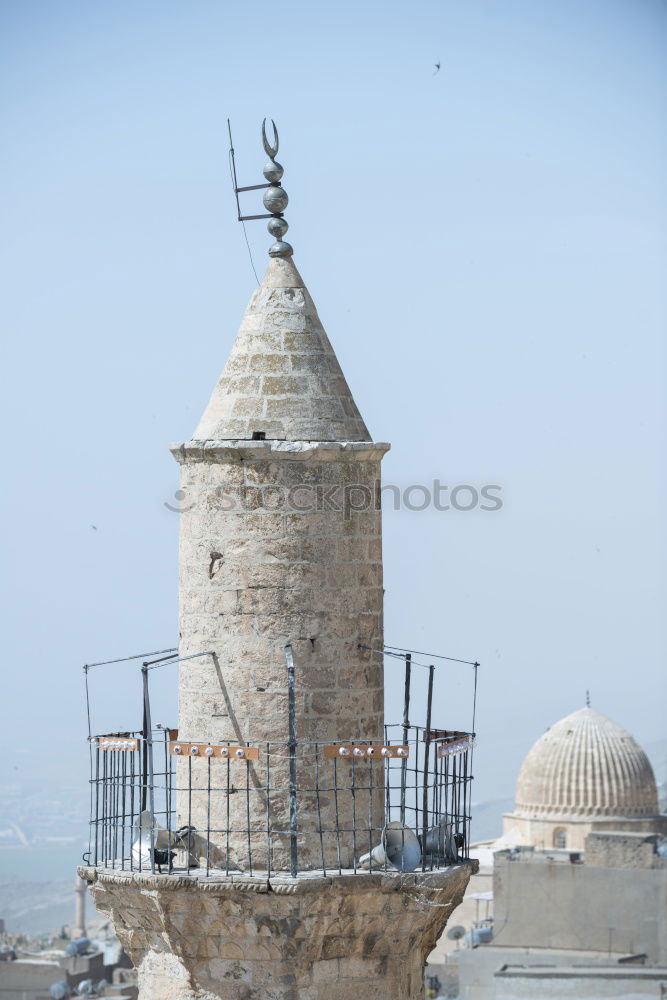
[[456, 933]]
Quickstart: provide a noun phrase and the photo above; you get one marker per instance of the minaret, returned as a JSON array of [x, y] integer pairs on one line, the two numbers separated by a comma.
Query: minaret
[[280, 546], [80, 889], [280, 543]]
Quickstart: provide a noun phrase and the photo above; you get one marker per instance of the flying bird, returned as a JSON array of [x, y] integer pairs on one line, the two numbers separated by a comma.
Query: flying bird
[[437, 67]]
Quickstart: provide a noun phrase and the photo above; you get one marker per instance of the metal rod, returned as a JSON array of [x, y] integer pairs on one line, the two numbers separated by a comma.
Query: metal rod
[[167, 794], [104, 808], [114, 804], [319, 809], [247, 811], [97, 800], [406, 727], [388, 652], [208, 821], [132, 778], [268, 810], [148, 758], [252, 187], [436, 656], [227, 821], [126, 659], [144, 747], [465, 804], [387, 782], [232, 160], [335, 782], [249, 218], [291, 723], [180, 659], [427, 747], [122, 829], [354, 815]]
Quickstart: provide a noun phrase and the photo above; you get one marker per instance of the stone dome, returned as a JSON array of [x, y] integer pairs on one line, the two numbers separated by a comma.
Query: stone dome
[[585, 765]]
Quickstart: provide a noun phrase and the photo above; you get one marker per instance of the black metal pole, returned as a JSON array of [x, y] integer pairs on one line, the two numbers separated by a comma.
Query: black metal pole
[[291, 724], [406, 728], [148, 763], [144, 746], [427, 747]]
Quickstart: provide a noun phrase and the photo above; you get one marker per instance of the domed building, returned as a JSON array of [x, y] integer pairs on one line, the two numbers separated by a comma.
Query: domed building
[[585, 773]]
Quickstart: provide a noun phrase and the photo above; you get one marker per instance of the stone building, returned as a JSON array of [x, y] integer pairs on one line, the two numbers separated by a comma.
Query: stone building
[[572, 926], [280, 546], [297, 558], [584, 773], [578, 880]]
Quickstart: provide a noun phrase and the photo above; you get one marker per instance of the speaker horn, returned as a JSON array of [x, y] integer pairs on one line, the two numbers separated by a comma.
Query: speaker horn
[[440, 842], [400, 848]]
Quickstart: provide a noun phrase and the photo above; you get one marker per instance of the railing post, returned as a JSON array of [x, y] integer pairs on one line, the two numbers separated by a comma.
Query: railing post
[[291, 724], [406, 728], [427, 747], [148, 763]]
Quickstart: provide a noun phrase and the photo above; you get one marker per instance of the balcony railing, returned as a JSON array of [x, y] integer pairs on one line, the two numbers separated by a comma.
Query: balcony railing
[[161, 805], [164, 804]]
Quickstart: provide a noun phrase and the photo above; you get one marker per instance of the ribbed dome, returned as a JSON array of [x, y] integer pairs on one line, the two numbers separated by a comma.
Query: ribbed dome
[[586, 765]]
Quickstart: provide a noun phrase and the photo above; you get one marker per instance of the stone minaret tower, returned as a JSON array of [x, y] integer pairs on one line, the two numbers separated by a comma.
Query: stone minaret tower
[[80, 889], [296, 559], [280, 543]]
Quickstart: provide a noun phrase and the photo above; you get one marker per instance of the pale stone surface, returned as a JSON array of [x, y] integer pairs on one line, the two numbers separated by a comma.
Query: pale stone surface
[[281, 543], [336, 938], [584, 773], [298, 559], [282, 377]]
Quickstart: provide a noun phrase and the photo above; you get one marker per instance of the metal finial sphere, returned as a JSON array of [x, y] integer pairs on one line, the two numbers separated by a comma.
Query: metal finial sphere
[[275, 197], [273, 171], [277, 227], [281, 249]]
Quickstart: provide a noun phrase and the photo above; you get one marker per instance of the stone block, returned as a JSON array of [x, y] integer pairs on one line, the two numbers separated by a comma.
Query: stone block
[[322, 938]]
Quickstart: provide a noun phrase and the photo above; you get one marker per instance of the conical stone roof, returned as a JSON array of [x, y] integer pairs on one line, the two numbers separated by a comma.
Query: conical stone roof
[[586, 765], [282, 380]]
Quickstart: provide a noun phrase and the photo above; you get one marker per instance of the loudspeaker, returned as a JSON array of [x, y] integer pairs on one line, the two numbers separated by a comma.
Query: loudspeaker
[[400, 848]]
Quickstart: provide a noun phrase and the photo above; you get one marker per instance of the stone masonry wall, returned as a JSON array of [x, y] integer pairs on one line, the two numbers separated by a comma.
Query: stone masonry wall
[[307, 939], [280, 542]]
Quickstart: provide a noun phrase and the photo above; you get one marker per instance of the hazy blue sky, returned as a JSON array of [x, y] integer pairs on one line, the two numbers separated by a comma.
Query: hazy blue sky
[[486, 247]]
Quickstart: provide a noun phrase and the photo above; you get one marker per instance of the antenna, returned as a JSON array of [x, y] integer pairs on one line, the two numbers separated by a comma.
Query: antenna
[[275, 197], [456, 933]]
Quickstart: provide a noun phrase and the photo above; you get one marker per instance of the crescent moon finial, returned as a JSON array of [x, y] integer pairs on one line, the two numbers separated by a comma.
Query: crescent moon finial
[[270, 150]]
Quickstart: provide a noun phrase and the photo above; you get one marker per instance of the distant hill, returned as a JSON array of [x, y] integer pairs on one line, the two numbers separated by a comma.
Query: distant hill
[[487, 819]]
